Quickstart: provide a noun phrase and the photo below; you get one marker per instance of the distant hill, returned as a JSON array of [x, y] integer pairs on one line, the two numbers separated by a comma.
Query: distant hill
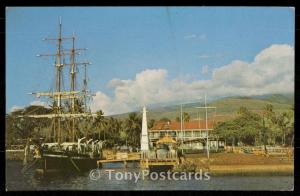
[[278, 98], [226, 108]]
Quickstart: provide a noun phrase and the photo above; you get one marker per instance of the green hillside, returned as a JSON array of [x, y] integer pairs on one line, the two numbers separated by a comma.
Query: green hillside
[[226, 108]]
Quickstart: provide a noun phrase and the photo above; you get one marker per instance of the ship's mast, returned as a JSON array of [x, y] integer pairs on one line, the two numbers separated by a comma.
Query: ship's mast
[[85, 87], [59, 66], [73, 83], [73, 72], [59, 94]]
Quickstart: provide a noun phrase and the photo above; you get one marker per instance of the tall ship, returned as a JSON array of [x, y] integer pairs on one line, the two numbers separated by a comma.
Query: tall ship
[[66, 148]]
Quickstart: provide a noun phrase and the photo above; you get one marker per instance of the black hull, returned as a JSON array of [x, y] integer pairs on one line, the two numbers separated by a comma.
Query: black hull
[[160, 168], [53, 164]]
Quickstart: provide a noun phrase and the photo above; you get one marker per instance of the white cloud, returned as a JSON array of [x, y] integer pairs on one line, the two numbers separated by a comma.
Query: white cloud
[[35, 103], [191, 36], [115, 82], [204, 69], [39, 103], [206, 56], [101, 101], [16, 108], [195, 36], [272, 71], [203, 56]]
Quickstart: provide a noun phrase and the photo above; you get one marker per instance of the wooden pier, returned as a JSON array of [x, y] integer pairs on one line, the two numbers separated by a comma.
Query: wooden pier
[[147, 161], [152, 162], [120, 158]]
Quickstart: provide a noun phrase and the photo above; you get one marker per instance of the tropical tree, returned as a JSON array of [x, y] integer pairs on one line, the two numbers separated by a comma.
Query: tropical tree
[[123, 134], [227, 130], [290, 134], [100, 123], [245, 128], [151, 123], [186, 117], [164, 119], [249, 125], [133, 127], [112, 132], [19, 126], [283, 123], [271, 129]]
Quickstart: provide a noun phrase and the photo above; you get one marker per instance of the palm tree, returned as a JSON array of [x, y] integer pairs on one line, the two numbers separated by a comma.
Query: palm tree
[[133, 127], [100, 123], [242, 110], [186, 117], [264, 130], [270, 121], [283, 123], [113, 128], [286, 124], [292, 123], [151, 123]]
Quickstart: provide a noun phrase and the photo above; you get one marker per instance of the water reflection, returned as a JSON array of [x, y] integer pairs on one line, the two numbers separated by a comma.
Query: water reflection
[[15, 180]]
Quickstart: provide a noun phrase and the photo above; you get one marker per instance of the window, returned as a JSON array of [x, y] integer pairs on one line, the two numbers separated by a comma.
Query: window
[[188, 134], [172, 133], [151, 135], [180, 134], [156, 135], [197, 134], [203, 133]]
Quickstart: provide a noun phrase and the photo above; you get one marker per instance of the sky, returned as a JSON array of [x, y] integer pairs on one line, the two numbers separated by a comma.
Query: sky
[[153, 55]]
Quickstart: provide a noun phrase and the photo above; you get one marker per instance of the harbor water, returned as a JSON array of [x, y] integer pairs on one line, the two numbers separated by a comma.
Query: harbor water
[[15, 181]]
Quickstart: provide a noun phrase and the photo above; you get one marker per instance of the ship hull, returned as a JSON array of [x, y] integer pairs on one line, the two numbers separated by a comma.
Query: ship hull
[[61, 164], [160, 168]]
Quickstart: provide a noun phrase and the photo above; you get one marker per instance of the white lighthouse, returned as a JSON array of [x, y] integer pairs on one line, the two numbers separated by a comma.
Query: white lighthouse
[[144, 139]]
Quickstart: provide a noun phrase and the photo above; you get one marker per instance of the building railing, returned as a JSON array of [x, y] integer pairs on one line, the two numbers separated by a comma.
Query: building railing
[[178, 133]]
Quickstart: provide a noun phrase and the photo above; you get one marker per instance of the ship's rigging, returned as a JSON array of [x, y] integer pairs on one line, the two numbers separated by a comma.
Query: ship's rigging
[[72, 104]]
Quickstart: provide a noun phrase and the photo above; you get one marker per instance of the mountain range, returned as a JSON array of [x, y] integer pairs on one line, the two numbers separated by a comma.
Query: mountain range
[[226, 108]]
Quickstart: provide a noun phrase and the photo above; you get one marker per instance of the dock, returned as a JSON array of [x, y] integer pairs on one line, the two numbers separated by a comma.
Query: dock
[[120, 158], [146, 161], [151, 161]]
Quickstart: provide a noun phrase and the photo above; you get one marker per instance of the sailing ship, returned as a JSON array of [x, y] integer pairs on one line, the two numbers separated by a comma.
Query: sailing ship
[[69, 153]]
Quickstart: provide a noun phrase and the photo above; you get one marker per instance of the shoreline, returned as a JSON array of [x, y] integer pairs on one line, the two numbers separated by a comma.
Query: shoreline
[[252, 170], [240, 164], [247, 170]]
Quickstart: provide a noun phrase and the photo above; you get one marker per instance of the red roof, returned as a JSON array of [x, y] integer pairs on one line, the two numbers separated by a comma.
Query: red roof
[[174, 125]]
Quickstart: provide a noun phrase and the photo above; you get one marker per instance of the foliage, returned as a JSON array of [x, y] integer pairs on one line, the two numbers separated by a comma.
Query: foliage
[[18, 126], [164, 119], [133, 127], [271, 127], [151, 123], [250, 128], [244, 128], [185, 117]]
